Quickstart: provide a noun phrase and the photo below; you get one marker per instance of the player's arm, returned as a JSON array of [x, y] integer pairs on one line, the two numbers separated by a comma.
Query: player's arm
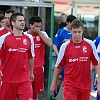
[[31, 57], [2, 48], [0, 66], [42, 34], [59, 64], [54, 47], [31, 64], [97, 70], [54, 80], [45, 38], [56, 42], [1, 54]]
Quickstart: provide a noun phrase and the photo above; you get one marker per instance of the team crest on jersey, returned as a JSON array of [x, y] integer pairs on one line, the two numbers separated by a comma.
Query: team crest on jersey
[[37, 38], [24, 41], [84, 49]]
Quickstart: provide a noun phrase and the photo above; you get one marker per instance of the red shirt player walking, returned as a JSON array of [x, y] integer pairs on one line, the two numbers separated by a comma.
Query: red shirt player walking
[[77, 53], [15, 50], [40, 39]]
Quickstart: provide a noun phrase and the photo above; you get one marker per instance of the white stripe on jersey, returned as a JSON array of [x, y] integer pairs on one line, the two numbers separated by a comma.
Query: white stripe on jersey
[[63, 48], [61, 52], [32, 43], [93, 48], [2, 38], [45, 34]]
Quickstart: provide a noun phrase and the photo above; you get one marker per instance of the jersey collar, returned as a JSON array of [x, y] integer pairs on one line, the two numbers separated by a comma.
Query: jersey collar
[[77, 43]]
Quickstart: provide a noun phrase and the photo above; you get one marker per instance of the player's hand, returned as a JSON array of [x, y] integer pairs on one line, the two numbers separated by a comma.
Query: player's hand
[[34, 30], [31, 77], [53, 88], [1, 74]]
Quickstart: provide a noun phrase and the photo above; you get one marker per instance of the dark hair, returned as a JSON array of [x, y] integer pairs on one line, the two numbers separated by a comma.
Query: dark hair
[[34, 19], [14, 16], [70, 18], [1, 12], [10, 11], [76, 24], [1, 18]]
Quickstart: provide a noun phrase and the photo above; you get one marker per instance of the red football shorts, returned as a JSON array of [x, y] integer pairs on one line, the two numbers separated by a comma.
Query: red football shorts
[[11, 91], [72, 93], [38, 83]]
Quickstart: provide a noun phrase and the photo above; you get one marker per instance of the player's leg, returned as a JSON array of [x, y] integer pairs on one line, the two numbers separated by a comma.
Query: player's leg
[[8, 91], [41, 80], [59, 82], [70, 93], [83, 94], [24, 91], [38, 83], [34, 86]]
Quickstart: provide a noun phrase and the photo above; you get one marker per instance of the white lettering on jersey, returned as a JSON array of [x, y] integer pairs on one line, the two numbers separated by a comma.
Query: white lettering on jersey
[[73, 60], [83, 59], [80, 59], [10, 50], [77, 46], [18, 38], [17, 50], [37, 45], [84, 49]]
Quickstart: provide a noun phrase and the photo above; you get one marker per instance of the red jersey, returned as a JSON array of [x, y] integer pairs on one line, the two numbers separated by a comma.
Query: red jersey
[[3, 31], [39, 50], [14, 52], [77, 58]]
